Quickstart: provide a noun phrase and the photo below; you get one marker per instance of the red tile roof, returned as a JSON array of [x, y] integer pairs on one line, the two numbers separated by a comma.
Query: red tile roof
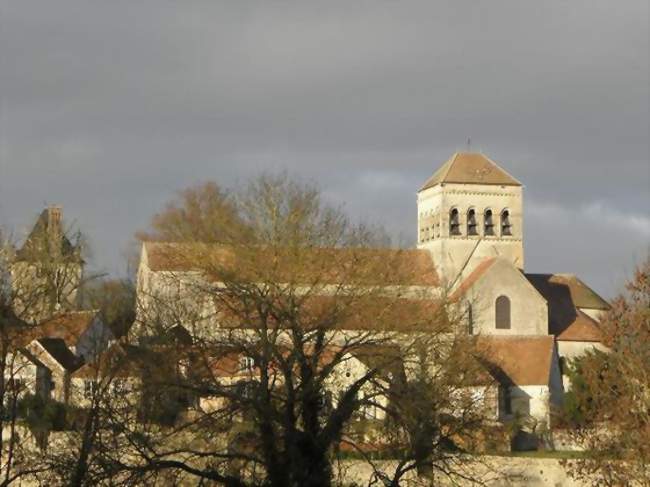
[[565, 295], [67, 326], [581, 295], [327, 265], [470, 168], [522, 360], [582, 329]]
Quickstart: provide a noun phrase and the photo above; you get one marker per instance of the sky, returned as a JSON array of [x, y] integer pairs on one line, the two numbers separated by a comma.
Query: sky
[[110, 108]]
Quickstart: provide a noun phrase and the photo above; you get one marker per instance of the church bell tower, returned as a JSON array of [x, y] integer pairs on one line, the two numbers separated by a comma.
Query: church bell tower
[[469, 210]]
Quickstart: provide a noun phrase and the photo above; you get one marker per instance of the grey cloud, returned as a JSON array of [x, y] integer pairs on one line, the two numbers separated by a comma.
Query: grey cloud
[[109, 107]]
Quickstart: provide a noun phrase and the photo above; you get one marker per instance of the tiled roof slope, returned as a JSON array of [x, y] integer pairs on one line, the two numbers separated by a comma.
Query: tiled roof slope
[[581, 294], [582, 329], [66, 326], [565, 294], [470, 168], [372, 313], [412, 267], [521, 360], [121, 360]]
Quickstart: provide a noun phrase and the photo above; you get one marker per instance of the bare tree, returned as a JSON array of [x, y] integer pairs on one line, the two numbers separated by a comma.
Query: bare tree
[[269, 350]]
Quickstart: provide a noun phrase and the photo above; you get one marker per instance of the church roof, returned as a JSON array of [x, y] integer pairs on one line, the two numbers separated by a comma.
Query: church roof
[[581, 294], [413, 267], [566, 295], [470, 168], [520, 360]]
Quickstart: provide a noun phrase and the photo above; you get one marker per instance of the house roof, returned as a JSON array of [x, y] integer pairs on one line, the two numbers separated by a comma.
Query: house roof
[[327, 265], [120, 360], [521, 360], [48, 236], [470, 168], [67, 326], [58, 350], [566, 295], [227, 365]]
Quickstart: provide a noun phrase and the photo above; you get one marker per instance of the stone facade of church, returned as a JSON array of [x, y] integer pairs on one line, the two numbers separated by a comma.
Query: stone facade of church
[[470, 217], [470, 238]]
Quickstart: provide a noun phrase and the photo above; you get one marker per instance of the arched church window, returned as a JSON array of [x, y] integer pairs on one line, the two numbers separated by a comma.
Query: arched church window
[[488, 223], [472, 228], [506, 226], [502, 313], [454, 222]]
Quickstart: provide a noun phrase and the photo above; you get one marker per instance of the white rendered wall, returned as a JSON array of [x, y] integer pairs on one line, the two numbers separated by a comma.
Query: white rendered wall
[[528, 309]]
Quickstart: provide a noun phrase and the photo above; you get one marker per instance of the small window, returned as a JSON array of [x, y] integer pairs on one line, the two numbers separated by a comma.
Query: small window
[[502, 313], [470, 319], [454, 222], [488, 223], [472, 228], [246, 364], [90, 388], [506, 226]]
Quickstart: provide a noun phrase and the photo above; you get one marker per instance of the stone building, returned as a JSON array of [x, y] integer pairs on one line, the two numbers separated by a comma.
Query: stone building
[[470, 245], [55, 336], [46, 270]]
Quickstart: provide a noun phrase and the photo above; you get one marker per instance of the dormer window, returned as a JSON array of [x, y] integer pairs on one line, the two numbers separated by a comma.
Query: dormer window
[[506, 226], [488, 223], [454, 222], [472, 228]]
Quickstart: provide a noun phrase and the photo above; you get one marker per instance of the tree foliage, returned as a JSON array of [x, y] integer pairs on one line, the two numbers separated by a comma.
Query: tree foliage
[[610, 397], [288, 334]]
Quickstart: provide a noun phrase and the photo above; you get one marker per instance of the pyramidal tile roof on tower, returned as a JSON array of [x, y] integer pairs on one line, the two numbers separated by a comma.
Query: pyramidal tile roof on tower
[[470, 168]]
